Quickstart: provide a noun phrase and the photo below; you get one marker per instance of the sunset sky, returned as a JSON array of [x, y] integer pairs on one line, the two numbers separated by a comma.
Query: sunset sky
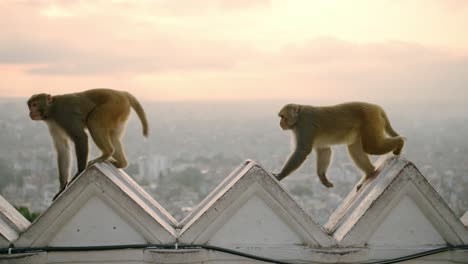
[[173, 50]]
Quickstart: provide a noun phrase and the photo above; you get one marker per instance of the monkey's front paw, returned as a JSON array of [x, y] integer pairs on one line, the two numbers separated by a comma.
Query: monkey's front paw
[[397, 151], [114, 163], [323, 179], [74, 177], [358, 187], [327, 184], [277, 176], [58, 194]]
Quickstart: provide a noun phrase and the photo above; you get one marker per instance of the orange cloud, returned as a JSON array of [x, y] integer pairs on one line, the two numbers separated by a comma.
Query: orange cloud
[[234, 50]]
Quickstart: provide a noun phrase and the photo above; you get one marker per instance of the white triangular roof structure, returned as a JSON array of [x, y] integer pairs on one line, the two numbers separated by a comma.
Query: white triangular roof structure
[[103, 206], [396, 214], [397, 208], [12, 223], [250, 207]]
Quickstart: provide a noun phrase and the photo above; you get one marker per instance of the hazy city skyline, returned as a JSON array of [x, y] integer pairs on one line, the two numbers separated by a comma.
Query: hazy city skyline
[[199, 144], [213, 74]]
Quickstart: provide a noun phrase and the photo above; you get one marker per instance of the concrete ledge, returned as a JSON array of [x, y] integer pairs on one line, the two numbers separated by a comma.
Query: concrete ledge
[[395, 214], [12, 223]]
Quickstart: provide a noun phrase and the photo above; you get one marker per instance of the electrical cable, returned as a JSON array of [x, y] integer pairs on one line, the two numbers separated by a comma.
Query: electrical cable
[[13, 250]]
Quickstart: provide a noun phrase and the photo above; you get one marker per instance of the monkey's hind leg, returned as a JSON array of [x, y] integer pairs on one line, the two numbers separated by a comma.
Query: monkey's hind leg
[[120, 161], [361, 160], [385, 145], [323, 161], [102, 140], [101, 137], [397, 151], [374, 141]]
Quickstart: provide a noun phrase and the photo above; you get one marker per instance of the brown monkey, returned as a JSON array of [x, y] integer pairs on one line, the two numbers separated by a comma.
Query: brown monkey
[[362, 126], [104, 112]]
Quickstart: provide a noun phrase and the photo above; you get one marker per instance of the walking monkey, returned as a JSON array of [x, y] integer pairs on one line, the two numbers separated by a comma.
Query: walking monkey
[[362, 126], [104, 112]]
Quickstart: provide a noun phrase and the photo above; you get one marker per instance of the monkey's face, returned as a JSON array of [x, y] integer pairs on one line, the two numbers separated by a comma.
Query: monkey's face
[[289, 115], [39, 105], [283, 121]]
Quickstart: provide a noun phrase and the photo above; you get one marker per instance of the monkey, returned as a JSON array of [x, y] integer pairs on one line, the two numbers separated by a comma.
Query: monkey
[[362, 126], [103, 112]]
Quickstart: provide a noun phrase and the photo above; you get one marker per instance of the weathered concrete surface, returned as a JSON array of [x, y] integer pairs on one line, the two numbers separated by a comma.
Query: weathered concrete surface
[[12, 223], [464, 219], [398, 208], [250, 208], [395, 214], [103, 206]]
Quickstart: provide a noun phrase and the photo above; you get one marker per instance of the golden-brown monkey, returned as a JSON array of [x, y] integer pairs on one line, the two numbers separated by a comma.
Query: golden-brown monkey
[[362, 126], [104, 112]]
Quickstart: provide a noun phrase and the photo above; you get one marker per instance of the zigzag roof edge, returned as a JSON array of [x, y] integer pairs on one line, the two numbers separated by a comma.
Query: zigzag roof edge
[[368, 205], [126, 182], [12, 223], [204, 204], [218, 192], [239, 182], [352, 200], [134, 191], [111, 185]]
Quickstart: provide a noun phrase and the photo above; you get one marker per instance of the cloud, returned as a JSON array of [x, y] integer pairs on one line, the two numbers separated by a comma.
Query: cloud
[[66, 8], [211, 48], [61, 59], [450, 5], [90, 41], [114, 64], [374, 70], [18, 50], [344, 69], [328, 50], [199, 8]]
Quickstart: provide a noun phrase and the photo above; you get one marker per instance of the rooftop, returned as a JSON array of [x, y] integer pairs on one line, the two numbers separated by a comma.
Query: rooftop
[[395, 214]]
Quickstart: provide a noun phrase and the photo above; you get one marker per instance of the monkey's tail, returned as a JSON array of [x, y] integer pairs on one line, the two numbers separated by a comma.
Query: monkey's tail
[[140, 112], [388, 127]]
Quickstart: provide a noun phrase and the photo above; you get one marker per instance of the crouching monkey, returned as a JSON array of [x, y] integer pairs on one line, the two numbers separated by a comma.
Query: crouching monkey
[[361, 126], [104, 112]]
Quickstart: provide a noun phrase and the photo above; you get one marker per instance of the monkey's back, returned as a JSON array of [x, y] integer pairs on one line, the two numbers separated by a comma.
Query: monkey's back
[[102, 96], [340, 123], [348, 114]]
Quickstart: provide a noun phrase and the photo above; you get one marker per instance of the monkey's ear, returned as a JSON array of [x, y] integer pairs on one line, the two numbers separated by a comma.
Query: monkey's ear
[[293, 115], [295, 109], [50, 99]]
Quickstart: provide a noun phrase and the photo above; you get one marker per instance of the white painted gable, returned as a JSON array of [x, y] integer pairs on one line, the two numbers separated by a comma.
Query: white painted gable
[[103, 206], [406, 225], [399, 208], [250, 207], [396, 214], [95, 218], [255, 222]]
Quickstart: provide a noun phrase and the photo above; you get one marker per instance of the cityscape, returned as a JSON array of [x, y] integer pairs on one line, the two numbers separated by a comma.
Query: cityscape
[[192, 146]]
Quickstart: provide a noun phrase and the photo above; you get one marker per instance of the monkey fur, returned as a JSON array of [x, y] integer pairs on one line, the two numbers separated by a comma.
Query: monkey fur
[[104, 112], [361, 126]]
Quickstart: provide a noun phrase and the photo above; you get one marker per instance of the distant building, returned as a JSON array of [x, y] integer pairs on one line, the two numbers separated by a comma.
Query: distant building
[[152, 167]]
